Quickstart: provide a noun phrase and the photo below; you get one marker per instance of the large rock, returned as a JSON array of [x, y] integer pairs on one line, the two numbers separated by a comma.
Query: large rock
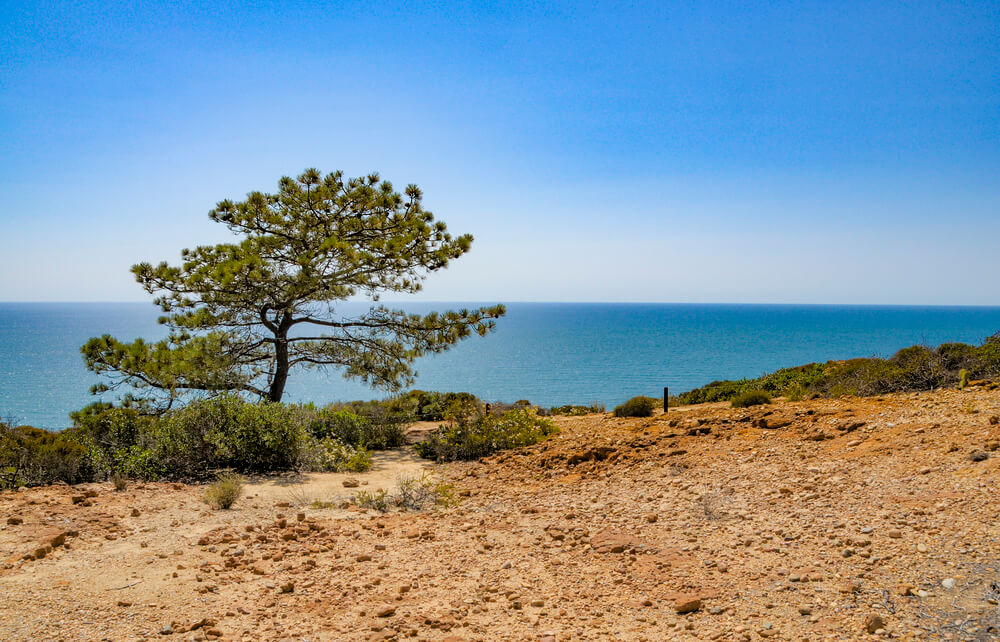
[[615, 542]]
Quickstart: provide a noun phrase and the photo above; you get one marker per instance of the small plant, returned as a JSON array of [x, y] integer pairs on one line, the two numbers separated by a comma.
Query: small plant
[[120, 482], [224, 491], [751, 398], [636, 407], [299, 496], [378, 500], [335, 456], [715, 504], [963, 379], [319, 504], [416, 493]]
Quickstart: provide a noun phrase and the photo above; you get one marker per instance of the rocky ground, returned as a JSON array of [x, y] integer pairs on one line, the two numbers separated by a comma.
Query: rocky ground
[[819, 520]]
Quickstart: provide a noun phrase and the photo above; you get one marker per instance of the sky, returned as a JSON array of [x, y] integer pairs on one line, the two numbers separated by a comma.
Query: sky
[[771, 152]]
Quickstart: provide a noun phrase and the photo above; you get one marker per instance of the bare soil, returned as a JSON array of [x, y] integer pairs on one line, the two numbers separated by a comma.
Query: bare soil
[[818, 520]]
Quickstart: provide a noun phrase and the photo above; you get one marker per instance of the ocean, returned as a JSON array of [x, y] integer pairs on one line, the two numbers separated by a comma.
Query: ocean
[[548, 353]]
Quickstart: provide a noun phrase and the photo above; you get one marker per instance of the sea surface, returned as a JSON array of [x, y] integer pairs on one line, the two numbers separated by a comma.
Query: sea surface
[[549, 353]]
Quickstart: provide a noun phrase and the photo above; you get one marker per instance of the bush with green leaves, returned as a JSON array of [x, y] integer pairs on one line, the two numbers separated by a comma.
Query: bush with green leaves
[[374, 427], [229, 432], [224, 491], [117, 442], [751, 398], [577, 410], [912, 369], [637, 407], [32, 456], [439, 406], [412, 493], [472, 437], [333, 455], [379, 500], [418, 493], [260, 437]]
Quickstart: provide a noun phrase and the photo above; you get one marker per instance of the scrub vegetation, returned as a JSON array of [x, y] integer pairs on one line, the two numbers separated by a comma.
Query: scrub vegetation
[[917, 368]]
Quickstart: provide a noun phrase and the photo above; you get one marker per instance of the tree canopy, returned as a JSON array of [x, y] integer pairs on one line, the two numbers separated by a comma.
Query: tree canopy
[[242, 315]]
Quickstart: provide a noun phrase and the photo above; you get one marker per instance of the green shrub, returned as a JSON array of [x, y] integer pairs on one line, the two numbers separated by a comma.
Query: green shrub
[[228, 432], [636, 407], [916, 368], [471, 438], [224, 491], [417, 493], [117, 442], [32, 456], [378, 500], [795, 392], [576, 410], [963, 379], [335, 456], [439, 406], [120, 482], [956, 356], [987, 359], [751, 398], [261, 437], [378, 428]]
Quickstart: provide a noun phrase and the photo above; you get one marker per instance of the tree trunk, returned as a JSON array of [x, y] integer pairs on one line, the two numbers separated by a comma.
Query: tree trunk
[[280, 363]]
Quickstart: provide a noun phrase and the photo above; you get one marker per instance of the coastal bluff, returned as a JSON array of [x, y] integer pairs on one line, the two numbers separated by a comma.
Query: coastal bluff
[[828, 519]]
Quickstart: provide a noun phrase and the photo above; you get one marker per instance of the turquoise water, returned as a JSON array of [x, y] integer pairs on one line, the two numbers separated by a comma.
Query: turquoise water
[[550, 353]]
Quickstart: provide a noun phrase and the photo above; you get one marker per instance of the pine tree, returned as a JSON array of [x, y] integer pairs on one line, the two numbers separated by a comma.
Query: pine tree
[[243, 315]]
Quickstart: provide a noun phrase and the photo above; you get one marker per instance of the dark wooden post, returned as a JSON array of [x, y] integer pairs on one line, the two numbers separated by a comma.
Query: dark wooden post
[[666, 398]]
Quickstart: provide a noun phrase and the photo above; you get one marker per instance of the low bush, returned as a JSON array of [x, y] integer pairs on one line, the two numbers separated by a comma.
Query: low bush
[[751, 398], [224, 491], [32, 456], [379, 500], [795, 392], [117, 442], [636, 407], [335, 456], [418, 493], [917, 368], [438, 406], [412, 493], [228, 432], [378, 428], [575, 410], [469, 438]]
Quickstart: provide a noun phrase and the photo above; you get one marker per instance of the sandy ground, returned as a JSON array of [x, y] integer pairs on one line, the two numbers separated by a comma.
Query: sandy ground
[[822, 520]]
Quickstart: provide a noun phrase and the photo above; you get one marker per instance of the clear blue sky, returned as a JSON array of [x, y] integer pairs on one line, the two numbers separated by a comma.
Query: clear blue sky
[[833, 152]]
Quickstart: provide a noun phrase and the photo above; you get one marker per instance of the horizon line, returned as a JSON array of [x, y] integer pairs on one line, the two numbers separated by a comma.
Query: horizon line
[[555, 302]]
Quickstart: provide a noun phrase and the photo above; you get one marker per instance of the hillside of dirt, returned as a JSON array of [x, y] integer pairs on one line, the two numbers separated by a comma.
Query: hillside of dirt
[[873, 518]]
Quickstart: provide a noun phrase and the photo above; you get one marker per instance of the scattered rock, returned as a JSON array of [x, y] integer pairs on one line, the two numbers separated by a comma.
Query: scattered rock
[[686, 603], [874, 622]]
